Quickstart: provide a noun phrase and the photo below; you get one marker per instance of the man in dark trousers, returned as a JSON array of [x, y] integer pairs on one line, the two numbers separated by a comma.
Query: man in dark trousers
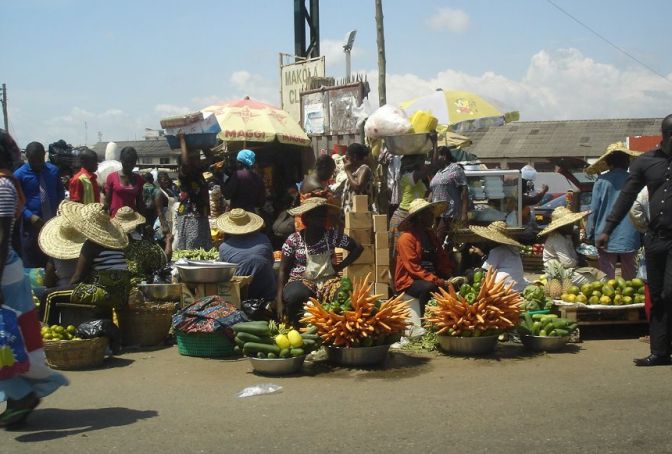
[[653, 169]]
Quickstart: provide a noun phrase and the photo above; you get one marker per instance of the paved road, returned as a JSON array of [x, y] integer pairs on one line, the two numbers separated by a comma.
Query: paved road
[[587, 399]]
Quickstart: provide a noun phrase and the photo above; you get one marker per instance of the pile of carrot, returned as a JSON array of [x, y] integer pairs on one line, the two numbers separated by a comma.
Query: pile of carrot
[[496, 308], [368, 319]]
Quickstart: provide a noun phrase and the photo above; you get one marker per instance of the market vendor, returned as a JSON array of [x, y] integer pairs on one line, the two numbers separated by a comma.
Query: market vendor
[[359, 179], [422, 265], [318, 185], [449, 185], [144, 256], [308, 257], [501, 252], [560, 245], [250, 249], [101, 277]]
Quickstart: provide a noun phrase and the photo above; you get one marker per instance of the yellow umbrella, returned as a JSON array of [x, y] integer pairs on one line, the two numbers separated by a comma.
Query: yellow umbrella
[[246, 120], [460, 110]]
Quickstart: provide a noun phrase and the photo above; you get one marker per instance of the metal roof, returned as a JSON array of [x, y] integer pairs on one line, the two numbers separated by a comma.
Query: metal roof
[[539, 139]]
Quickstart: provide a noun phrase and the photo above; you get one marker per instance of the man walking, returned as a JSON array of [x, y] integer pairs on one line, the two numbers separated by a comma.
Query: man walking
[[652, 169], [44, 191], [84, 184]]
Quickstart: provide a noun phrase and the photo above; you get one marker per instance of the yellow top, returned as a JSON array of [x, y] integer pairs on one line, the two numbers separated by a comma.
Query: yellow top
[[409, 191]]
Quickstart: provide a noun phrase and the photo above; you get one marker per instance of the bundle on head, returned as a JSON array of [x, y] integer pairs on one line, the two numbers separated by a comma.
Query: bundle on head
[[361, 321], [496, 308]]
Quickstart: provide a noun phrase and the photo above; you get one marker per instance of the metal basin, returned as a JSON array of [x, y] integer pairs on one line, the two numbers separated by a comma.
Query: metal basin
[[544, 343], [161, 292], [279, 366], [357, 356], [409, 144], [468, 345], [206, 272]]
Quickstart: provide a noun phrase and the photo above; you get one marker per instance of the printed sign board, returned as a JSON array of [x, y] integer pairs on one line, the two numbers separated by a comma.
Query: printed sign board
[[294, 79]]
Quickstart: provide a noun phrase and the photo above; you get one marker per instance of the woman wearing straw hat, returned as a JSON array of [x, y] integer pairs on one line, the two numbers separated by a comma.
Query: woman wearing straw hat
[[308, 257], [624, 241], [503, 253], [250, 249], [422, 265], [102, 277], [143, 255]]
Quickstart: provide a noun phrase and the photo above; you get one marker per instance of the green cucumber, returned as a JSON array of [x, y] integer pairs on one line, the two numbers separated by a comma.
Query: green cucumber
[[256, 329], [272, 356], [312, 329], [296, 352], [561, 332], [284, 353], [261, 355], [314, 337], [309, 344], [239, 342], [247, 337], [254, 347]]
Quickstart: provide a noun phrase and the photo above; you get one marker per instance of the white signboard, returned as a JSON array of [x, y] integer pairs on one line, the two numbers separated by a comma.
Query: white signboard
[[293, 79]]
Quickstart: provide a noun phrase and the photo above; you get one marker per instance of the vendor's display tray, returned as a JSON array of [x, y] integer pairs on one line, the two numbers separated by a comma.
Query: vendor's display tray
[[597, 307], [76, 354], [211, 345], [468, 346], [544, 343], [278, 366], [357, 356]]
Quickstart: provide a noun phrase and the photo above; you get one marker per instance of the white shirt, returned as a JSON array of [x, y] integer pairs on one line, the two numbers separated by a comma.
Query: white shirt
[[561, 248], [508, 264]]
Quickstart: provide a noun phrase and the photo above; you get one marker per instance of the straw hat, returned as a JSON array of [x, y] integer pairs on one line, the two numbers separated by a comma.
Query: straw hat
[[128, 219], [562, 216], [600, 165], [60, 240], [311, 204], [94, 223], [419, 206], [496, 232], [239, 222]]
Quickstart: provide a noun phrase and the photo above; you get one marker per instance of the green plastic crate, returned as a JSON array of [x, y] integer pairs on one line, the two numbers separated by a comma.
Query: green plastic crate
[[210, 345]]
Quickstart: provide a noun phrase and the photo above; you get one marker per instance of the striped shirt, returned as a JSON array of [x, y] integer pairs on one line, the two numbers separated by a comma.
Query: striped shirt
[[110, 260], [8, 197]]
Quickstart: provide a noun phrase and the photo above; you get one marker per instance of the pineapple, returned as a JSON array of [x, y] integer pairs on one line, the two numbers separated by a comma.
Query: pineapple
[[556, 277]]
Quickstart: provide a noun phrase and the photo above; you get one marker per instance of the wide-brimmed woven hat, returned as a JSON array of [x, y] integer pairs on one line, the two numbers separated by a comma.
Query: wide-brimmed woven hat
[[496, 232], [128, 219], [600, 165], [60, 240], [92, 221], [419, 206], [562, 216], [239, 222], [311, 204]]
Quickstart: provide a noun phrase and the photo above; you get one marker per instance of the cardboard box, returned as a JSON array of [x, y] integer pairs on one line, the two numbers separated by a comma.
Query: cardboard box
[[383, 257], [383, 274], [361, 236], [233, 291], [381, 240], [359, 271], [358, 221], [379, 223], [360, 204], [381, 289], [367, 256]]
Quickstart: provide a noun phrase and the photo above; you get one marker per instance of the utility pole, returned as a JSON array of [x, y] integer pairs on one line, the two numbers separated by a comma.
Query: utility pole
[[380, 40], [4, 106]]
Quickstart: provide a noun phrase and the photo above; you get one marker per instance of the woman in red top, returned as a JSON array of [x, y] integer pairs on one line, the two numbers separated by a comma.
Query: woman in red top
[[124, 188], [422, 265]]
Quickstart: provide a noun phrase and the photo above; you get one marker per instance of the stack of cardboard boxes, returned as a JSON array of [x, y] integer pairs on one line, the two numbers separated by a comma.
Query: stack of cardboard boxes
[[370, 231]]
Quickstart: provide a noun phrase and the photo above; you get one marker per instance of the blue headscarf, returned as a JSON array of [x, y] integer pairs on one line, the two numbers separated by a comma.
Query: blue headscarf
[[247, 157]]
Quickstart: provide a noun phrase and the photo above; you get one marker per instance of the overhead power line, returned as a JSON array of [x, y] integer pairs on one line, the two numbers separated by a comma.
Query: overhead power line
[[606, 40]]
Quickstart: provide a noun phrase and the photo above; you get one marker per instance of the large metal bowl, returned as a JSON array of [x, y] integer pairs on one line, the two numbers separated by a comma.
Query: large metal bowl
[[161, 292], [357, 356], [206, 272], [468, 346], [544, 343], [279, 366], [409, 144]]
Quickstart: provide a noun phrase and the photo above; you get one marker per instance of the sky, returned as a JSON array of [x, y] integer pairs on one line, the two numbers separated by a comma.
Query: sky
[[121, 66]]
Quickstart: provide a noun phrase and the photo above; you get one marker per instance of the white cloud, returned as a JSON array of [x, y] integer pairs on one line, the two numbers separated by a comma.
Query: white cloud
[[334, 57], [255, 86], [453, 20]]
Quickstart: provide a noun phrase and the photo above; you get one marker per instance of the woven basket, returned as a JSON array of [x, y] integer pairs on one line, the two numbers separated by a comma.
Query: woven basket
[[144, 328], [76, 354], [211, 345]]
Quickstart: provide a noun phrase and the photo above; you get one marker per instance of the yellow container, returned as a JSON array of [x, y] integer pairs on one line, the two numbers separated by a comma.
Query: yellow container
[[423, 121]]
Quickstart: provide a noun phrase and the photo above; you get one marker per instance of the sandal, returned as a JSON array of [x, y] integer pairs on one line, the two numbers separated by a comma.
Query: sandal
[[18, 411]]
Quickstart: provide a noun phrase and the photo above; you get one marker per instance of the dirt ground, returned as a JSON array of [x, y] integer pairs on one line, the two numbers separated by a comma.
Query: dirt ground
[[588, 398]]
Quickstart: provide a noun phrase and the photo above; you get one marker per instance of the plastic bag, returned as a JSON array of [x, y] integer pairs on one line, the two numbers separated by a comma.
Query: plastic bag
[[13, 355], [101, 328], [362, 112], [105, 168], [256, 309], [259, 390], [387, 121]]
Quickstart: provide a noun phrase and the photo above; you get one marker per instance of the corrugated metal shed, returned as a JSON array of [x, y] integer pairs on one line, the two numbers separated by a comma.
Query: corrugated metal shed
[[541, 139]]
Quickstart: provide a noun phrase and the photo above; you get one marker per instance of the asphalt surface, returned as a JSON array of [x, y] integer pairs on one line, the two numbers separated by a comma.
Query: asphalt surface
[[589, 398]]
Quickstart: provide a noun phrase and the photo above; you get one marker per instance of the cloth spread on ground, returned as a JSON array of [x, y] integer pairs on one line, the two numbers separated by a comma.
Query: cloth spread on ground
[[210, 314]]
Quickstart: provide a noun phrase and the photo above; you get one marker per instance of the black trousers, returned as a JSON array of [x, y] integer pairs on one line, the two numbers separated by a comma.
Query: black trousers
[[422, 290], [658, 253], [295, 295]]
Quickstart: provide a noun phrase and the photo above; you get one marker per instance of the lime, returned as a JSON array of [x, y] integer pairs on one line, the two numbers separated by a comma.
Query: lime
[[627, 300], [611, 283], [597, 285], [618, 300], [608, 290], [573, 290], [594, 300], [596, 293], [640, 291], [637, 282], [605, 300], [581, 298]]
